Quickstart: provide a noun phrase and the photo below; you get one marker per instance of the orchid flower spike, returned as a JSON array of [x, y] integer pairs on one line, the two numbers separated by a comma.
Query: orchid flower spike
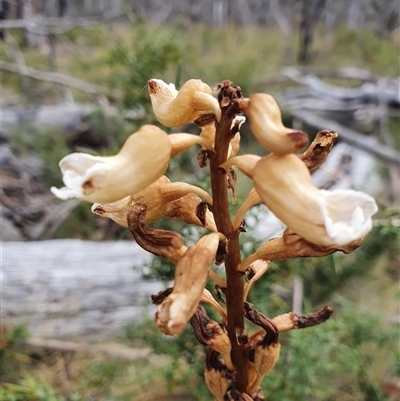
[[321, 217], [190, 279], [108, 179], [266, 125], [174, 108]]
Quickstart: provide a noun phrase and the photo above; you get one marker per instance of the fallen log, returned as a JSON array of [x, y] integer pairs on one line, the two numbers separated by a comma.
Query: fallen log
[[75, 289], [115, 350]]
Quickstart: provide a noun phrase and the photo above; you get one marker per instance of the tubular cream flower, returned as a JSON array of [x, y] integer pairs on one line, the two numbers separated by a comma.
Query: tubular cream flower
[[190, 279], [108, 179], [321, 217], [174, 108], [266, 125]]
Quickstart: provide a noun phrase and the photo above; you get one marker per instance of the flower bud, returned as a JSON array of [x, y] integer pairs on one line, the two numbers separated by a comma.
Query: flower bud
[[108, 179], [174, 108], [266, 125], [327, 218], [190, 279]]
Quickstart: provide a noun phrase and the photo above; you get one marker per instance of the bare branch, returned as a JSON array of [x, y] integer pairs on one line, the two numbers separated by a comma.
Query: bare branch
[[352, 137]]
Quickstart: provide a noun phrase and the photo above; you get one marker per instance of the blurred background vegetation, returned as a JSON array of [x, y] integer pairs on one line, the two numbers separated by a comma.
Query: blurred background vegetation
[[98, 56]]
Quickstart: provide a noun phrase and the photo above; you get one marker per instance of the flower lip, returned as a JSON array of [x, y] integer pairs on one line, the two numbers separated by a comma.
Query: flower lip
[[347, 214]]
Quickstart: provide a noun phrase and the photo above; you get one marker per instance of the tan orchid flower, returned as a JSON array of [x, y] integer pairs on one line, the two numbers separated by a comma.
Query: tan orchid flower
[[217, 376], [291, 245], [150, 196], [314, 156], [266, 347], [212, 334], [266, 125], [190, 279], [157, 197], [162, 243], [174, 108], [328, 218], [321, 217], [108, 179], [185, 209]]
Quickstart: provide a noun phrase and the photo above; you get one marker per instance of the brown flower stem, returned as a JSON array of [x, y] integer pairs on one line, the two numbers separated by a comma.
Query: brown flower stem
[[234, 279]]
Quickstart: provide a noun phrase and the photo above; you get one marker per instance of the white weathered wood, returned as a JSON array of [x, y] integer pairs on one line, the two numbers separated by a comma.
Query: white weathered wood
[[73, 288]]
